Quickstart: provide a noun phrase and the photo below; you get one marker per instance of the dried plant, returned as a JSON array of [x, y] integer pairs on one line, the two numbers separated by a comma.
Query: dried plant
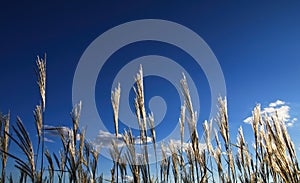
[[4, 142], [139, 91], [38, 116], [41, 75], [272, 159], [164, 165], [192, 123], [141, 112], [75, 115], [91, 164], [50, 167], [181, 122], [115, 154], [153, 136], [175, 161], [131, 155], [222, 121], [23, 141], [61, 164], [123, 170], [115, 100]]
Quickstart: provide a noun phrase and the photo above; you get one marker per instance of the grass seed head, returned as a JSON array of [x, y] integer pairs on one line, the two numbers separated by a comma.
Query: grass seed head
[[41, 73], [115, 100]]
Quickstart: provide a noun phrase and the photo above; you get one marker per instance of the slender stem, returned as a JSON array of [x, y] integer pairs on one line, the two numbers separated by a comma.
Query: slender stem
[[211, 164], [43, 144]]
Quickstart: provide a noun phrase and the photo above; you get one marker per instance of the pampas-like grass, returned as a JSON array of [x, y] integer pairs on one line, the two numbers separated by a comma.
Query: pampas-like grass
[[192, 122], [140, 106], [175, 161], [115, 100], [222, 121], [50, 167], [95, 153], [41, 75], [181, 160], [24, 143], [272, 159], [164, 165], [153, 136], [4, 142], [131, 155]]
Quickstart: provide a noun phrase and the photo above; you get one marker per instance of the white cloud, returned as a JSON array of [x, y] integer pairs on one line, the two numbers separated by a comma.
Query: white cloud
[[291, 123], [138, 140], [53, 131], [283, 112], [177, 145], [248, 120], [48, 140], [104, 139], [128, 178], [277, 103]]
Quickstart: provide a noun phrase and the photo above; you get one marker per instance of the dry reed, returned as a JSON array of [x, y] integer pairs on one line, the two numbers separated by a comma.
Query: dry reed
[[274, 153]]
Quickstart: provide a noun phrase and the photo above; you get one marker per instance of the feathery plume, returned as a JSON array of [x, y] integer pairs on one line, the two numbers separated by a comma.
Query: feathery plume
[[115, 100], [38, 116], [50, 167], [41, 74]]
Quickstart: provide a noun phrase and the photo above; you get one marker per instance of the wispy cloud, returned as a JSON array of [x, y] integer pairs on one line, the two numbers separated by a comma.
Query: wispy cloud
[[291, 123], [138, 140], [128, 178], [277, 103], [104, 139], [177, 145], [56, 131], [48, 140], [282, 109]]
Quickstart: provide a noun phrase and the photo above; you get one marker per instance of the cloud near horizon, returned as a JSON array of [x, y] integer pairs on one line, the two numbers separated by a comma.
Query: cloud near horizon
[[104, 139], [282, 109], [53, 132]]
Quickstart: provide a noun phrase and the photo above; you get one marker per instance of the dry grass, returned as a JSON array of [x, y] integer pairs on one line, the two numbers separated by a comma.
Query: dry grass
[[272, 159], [4, 120], [115, 100]]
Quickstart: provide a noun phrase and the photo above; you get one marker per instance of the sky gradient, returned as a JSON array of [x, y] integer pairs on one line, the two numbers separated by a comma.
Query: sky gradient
[[256, 43]]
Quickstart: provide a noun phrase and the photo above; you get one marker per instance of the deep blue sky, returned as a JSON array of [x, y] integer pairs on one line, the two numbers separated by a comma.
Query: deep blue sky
[[257, 45]]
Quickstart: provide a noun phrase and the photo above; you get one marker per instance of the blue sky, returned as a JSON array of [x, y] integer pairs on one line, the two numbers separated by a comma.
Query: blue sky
[[256, 43]]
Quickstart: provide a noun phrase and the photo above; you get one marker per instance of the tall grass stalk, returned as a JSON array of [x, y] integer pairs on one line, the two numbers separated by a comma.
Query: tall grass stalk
[[153, 135], [175, 161], [115, 100], [272, 159], [181, 122], [4, 142], [222, 121], [50, 167], [192, 123], [41, 75], [131, 155], [24, 143], [140, 106]]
